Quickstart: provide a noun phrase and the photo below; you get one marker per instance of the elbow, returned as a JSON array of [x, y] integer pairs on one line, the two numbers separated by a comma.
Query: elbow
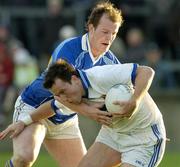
[[146, 71], [150, 72]]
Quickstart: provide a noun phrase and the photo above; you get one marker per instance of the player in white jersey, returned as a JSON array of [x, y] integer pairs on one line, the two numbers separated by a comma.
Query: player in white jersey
[[60, 132], [139, 140], [93, 83]]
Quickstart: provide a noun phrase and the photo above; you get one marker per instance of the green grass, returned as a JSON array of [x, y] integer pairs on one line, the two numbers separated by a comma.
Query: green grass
[[44, 160]]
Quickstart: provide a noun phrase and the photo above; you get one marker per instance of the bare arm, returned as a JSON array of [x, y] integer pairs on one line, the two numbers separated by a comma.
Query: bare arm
[[45, 111], [143, 82], [89, 110], [144, 77], [42, 112]]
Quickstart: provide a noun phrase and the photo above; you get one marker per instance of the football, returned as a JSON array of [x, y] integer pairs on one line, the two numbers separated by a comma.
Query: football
[[117, 93]]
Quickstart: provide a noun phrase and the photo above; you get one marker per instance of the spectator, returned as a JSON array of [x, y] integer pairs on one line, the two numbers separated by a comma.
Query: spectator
[[164, 77], [65, 32], [135, 46], [6, 77], [26, 68]]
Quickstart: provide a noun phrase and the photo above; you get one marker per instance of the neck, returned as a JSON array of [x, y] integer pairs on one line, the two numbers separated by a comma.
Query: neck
[[83, 91], [94, 50]]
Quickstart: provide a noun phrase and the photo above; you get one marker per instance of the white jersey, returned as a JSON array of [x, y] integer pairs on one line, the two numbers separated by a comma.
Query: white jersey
[[101, 78]]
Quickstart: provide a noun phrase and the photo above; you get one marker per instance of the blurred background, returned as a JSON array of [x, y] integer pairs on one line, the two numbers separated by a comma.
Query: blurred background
[[150, 35]]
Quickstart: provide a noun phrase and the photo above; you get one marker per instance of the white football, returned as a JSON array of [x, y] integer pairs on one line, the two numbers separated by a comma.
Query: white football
[[117, 93]]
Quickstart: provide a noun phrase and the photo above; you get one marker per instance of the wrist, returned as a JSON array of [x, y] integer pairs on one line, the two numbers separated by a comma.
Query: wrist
[[84, 109], [27, 120]]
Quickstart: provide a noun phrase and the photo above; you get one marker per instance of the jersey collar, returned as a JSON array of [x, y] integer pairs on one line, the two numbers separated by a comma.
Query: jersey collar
[[86, 47], [85, 81]]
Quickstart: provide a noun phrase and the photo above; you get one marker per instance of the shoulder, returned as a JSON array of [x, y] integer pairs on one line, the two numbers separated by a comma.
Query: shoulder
[[69, 43], [69, 48]]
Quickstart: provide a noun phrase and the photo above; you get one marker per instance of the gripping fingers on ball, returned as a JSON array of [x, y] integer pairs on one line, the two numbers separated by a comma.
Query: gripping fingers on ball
[[105, 120]]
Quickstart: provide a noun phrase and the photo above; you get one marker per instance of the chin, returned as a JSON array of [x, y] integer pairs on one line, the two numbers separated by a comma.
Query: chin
[[105, 48]]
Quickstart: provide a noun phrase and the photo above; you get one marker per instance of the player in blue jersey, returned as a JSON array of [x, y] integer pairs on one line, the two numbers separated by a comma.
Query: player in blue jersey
[[60, 132]]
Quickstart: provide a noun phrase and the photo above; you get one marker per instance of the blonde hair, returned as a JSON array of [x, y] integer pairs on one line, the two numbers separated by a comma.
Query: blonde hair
[[107, 8]]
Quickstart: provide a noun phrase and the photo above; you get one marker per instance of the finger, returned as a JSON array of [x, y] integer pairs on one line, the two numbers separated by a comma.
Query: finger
[[105, 119], [104, 113], [116, 114], [14, 134], [104, 122], [107, 116], [3, 134], [121, 103], [120, 115]]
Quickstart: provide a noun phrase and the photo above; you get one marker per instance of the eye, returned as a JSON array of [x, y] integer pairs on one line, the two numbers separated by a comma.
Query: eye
[[105, 32], [60, 92]]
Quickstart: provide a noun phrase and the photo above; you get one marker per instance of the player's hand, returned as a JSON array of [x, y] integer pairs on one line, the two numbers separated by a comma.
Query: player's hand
[[93, 103], [102, 117], [13, 130], [128, 108], [95, 112], [90, 110]]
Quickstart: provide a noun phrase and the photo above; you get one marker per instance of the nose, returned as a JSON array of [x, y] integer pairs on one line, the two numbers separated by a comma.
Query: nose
[[69, 100], [109, 37]]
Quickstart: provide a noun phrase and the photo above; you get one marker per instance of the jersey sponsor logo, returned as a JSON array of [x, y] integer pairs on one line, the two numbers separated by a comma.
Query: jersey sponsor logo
[[140, 163]]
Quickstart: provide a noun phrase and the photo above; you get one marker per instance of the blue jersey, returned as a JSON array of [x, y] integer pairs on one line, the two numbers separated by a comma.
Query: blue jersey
[[75, 51]]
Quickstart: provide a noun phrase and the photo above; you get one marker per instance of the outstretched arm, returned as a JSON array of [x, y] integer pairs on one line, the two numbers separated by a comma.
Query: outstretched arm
[[42, 112], [45, 111]]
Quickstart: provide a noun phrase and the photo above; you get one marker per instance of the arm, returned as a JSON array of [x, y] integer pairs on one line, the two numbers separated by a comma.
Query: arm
[[42, 112], [45, 111], [90, 110], [143, 80], [144, 77]]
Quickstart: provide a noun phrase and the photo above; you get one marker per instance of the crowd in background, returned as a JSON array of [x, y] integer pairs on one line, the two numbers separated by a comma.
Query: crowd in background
[[150, 35]]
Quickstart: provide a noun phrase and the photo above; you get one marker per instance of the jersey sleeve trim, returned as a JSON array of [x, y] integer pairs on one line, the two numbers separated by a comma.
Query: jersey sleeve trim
[[133, 75]]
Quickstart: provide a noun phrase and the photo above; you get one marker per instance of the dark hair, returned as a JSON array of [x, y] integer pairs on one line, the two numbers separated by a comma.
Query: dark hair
[[60, 69], [101, 8]]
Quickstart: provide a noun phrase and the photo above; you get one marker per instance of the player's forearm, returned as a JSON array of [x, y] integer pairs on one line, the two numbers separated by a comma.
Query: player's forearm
[[42, 112], [143, 81], [78, 108]]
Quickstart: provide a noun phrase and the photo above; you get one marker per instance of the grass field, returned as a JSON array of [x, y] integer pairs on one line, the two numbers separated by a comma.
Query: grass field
[[44, 160]]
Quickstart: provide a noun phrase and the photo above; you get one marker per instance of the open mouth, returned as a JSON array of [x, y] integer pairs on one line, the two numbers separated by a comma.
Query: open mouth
[[105, 44]]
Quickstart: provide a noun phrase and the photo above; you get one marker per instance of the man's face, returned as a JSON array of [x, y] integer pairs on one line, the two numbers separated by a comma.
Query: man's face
[[103, 35], [72, 92]]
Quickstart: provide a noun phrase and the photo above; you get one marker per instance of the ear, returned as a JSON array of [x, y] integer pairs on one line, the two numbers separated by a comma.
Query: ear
[[74, 78], [91, 28]]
